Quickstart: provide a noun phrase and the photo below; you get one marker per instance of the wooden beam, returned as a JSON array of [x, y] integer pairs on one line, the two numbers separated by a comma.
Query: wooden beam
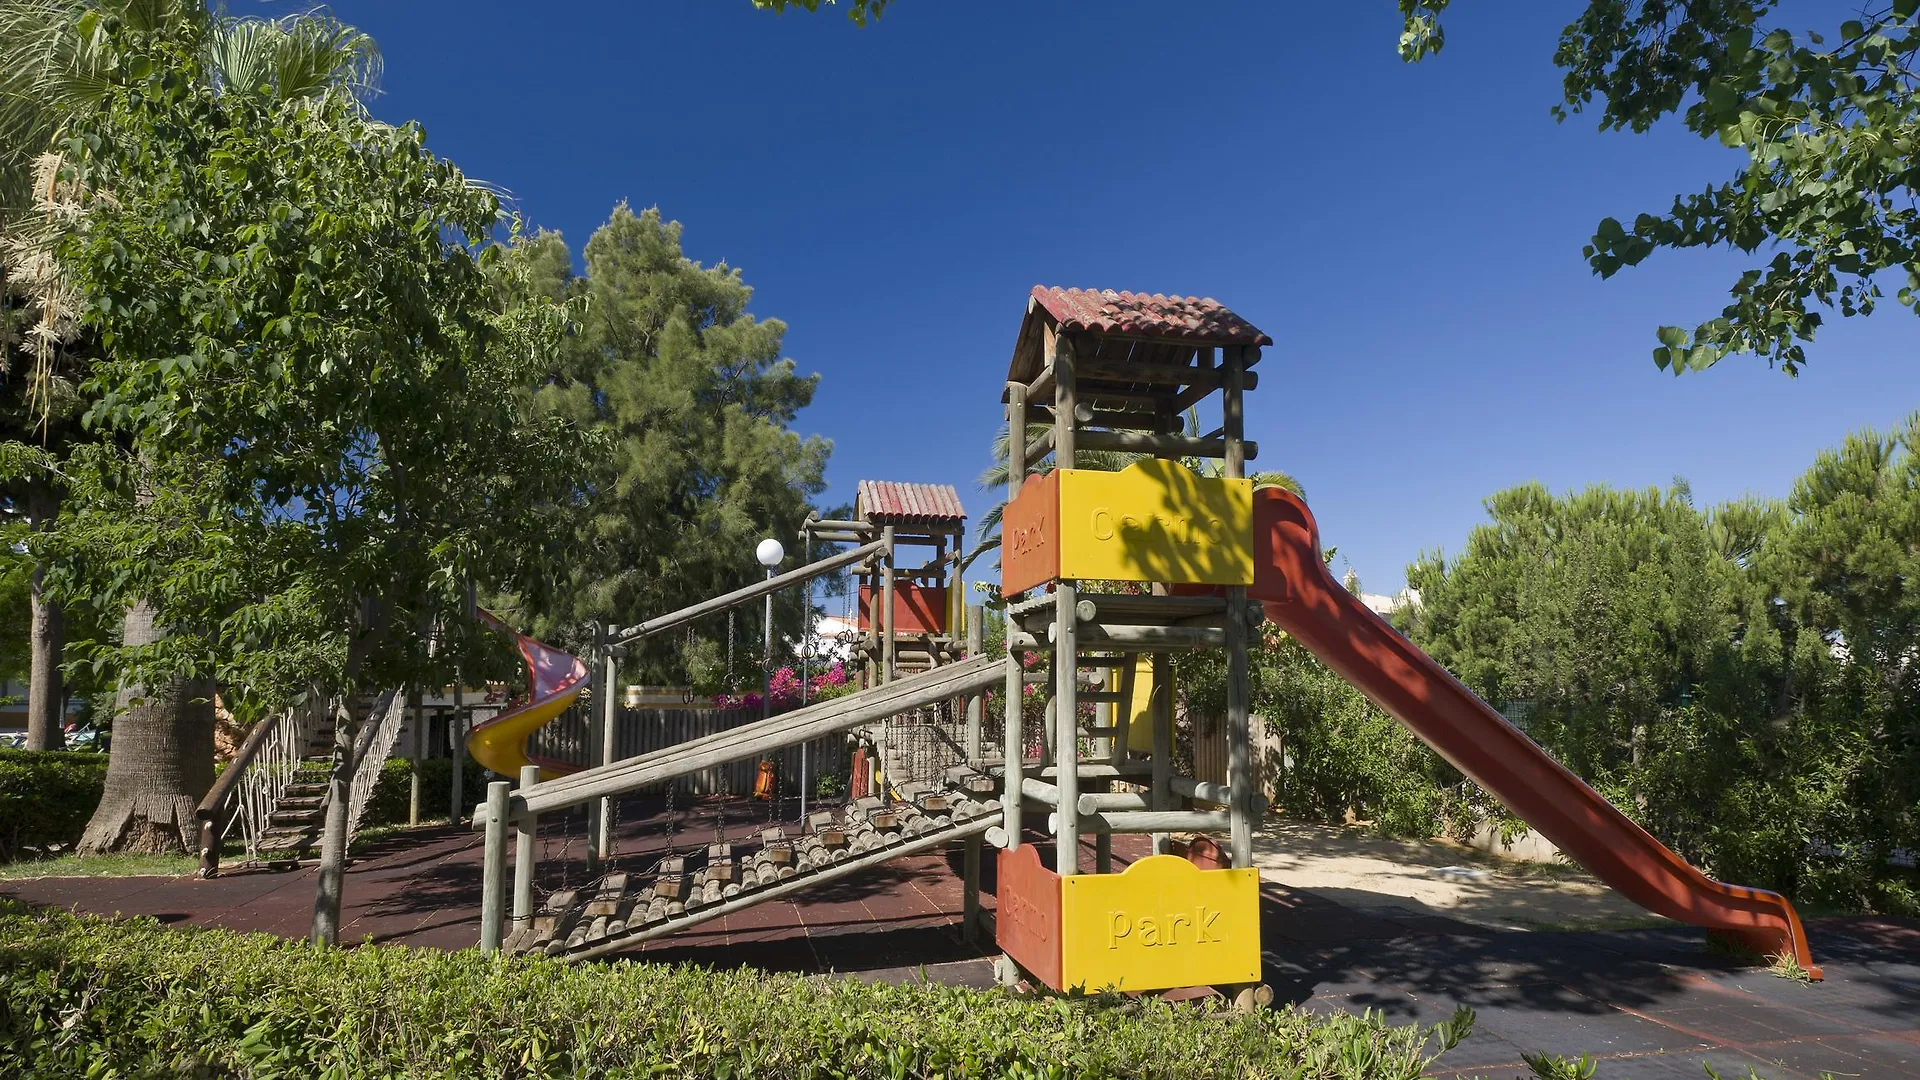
[[1141, 372], [1041, 388], [1135, 442], [751, 592], [1154, 821], [1063, 369], [1160, 715], [752, 740], [1151, 638], [1232, 413], [1017, 459], [1038, 449], [827, 525], [1106, 802], [1203, 790], [1103, 418]]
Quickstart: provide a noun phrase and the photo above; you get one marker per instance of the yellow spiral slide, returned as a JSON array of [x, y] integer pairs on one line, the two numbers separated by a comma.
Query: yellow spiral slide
[[555, 680]]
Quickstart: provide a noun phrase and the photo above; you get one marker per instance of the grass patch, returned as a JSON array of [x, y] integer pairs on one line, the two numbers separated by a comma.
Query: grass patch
[[100, 866], [1781, 965], [370, 835], [1787, 966], [88, 996]]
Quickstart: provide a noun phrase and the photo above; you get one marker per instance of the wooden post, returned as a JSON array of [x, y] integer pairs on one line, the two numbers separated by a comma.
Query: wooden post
[[1064, 399], [1104, 749], [609, 723], [1160, 715], [886, 589], [1233, 426], [597, 809], [1239, 732], [1066, 638], [1014, 749], [493, 885], [976, 704], [525, 832], [457, 746], [970, 889]]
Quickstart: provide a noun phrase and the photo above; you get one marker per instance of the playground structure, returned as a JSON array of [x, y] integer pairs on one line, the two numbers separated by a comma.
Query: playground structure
[[1105, 576]]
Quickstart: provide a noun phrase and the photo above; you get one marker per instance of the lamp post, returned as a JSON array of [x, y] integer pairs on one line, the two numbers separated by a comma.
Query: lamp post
[[769, 553]]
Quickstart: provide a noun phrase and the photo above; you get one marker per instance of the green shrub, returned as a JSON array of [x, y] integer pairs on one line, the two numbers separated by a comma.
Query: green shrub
[[85, 996], [392, 793], [46, 797]]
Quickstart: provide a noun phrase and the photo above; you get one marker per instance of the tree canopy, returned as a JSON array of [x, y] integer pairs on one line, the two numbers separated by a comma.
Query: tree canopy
[[694, 404], [1827, 123], [321, 407]]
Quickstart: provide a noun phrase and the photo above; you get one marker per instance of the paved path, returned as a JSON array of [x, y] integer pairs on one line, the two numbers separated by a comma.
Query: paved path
[[1650, 1002]]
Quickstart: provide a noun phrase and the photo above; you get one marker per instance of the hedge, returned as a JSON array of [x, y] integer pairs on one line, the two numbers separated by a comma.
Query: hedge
[[391, 793], [81, 995], [46, 797]]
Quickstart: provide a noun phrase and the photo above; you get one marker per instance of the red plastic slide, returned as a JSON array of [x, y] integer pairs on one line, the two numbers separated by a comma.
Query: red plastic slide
[[1302, 598]]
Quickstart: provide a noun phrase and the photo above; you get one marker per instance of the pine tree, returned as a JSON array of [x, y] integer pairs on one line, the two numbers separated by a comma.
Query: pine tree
[[693, 405]]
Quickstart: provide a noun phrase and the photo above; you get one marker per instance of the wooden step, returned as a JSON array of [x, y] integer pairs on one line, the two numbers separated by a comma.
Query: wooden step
[[578, 921], [295, 841]]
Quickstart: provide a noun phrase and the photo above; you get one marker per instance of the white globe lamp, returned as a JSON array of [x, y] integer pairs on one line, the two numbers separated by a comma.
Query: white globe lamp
[[770, 553]]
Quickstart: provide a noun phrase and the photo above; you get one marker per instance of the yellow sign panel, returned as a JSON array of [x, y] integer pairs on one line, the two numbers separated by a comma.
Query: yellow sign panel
[[1155, 521], [1161, 924]]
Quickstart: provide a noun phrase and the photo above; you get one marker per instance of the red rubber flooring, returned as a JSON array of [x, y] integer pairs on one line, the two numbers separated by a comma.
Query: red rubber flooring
[[1647, 1003]]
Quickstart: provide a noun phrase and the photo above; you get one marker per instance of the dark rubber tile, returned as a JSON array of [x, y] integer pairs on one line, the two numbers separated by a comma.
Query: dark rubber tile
[[1650, 1002]]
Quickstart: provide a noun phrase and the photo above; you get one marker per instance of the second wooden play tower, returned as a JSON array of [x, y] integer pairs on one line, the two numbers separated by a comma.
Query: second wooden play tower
[[1107, 573]]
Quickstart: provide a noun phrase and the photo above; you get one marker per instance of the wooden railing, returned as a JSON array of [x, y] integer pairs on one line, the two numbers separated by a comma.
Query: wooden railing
[[214, 813]]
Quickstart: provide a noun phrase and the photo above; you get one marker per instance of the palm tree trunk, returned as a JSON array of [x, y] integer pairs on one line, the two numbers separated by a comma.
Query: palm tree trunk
[[46, 693], [161, 763]]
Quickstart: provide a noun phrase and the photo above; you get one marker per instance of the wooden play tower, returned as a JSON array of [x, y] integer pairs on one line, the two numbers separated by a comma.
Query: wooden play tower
[[1107, 574], [907, 616]]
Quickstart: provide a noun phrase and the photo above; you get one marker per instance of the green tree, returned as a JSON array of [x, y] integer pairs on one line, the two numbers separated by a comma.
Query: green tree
[[1741, 679], [694, 406], [320, 407], [55, 66], [1826, 123]]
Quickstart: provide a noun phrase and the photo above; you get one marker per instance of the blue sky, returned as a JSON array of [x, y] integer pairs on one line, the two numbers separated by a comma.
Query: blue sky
[[1409, 236]]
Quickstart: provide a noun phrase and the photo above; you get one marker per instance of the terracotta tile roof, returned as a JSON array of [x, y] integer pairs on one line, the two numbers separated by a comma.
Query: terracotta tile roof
[[886, 502], [1142, 327], [1149, 315]]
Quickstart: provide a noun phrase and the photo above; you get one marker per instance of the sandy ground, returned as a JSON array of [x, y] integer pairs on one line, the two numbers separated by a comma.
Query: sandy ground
[[1368, 872]]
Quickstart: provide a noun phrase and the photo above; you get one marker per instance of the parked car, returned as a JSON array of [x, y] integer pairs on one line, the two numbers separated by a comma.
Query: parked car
[[85, 737]]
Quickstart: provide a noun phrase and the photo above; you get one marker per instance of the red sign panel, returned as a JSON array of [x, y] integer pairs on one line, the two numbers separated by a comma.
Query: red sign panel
[[1030, 535], [917, 609], [1026, 921]]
